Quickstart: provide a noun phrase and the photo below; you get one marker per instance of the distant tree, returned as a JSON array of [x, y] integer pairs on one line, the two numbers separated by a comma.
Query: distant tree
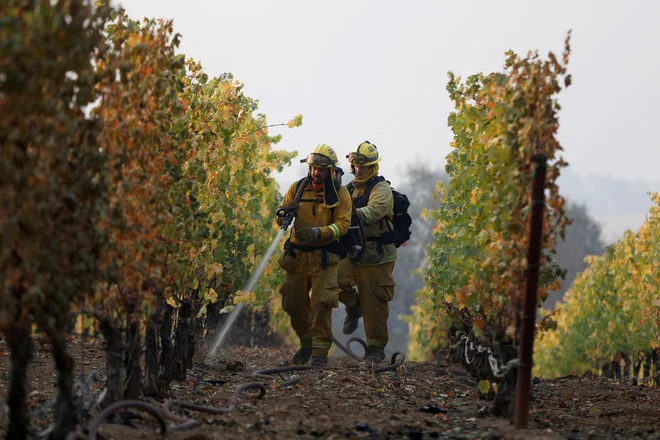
[[583, 237], [419, 184]]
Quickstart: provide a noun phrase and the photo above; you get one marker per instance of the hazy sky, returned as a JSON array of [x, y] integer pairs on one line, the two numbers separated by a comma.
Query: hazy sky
[[377, 70]]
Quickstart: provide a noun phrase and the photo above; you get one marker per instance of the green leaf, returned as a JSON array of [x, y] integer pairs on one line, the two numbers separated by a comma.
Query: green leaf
[[227, 309], [483, 386]]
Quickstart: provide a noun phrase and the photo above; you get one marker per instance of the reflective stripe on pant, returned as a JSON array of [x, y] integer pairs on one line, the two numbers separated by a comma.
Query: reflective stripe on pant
[[375, 290], [311, 314]]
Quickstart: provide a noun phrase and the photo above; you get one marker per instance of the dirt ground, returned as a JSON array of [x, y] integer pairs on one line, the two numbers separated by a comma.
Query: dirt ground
[[419, 400]]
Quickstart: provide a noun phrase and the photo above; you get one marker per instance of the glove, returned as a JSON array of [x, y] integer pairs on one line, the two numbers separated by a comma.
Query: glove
[[305, 235], [291, 206]]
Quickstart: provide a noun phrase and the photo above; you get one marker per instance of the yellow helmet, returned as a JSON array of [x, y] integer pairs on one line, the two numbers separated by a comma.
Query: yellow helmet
[[323, 156], [365, 154]]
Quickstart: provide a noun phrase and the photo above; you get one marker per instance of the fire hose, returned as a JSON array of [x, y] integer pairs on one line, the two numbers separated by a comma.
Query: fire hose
[[396, 361], [164, 414]]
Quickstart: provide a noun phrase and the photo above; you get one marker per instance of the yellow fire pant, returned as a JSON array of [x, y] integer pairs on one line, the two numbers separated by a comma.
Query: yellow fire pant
[[375, 290], [311, 315]]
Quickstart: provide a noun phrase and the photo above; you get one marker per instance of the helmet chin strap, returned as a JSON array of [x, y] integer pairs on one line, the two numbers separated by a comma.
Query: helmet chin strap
[[372, 172]]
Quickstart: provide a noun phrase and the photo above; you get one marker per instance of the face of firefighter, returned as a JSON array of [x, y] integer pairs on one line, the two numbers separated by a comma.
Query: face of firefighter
[[319, 175], [361, 170]]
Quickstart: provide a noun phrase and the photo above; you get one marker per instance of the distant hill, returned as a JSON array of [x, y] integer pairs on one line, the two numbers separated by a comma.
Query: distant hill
[[617, 204]]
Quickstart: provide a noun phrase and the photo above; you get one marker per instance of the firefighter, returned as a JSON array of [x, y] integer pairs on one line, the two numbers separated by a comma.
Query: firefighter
[[372, 272], [312, 253]]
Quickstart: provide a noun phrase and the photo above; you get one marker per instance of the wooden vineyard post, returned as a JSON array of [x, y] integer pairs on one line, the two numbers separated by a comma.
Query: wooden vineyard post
[[523, 385]]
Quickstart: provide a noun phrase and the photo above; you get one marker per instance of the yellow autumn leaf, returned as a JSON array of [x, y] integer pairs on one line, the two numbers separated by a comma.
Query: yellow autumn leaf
[[556, 203], [268, 269], [78, 329], [555, 285], [245, 297], [214, 269], [473, 196], [211, 296]]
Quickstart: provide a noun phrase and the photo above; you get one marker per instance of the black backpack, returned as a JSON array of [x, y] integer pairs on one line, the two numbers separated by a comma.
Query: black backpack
[[402, 220], [400, 232]]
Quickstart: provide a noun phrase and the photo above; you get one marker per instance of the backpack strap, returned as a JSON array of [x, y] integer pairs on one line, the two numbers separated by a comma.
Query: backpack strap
[[300, 182], [291, 230], [363, 199]]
